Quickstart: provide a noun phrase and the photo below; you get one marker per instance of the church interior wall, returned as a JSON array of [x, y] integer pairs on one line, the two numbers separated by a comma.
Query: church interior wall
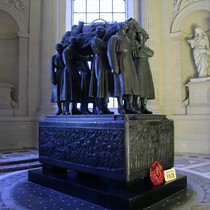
[[190, 119]]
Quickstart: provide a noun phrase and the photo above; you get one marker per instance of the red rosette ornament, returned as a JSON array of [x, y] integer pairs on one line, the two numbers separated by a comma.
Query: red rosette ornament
[[156, 174]]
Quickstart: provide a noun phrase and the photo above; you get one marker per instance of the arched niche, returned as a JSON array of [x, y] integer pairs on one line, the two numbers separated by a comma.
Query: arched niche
[[18, 17], [14, 36], [194, 14], [9, 51], [192, 7]]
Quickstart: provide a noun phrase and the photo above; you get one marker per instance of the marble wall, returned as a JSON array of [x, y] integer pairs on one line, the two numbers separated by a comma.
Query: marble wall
[[18, 119], [191, 121]]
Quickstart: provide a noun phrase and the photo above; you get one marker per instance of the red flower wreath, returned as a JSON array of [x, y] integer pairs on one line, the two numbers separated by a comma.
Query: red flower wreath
[[156, 174]]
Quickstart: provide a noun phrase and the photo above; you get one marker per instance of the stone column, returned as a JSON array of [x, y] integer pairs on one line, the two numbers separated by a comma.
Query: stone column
[[178, 105], [134, 9], [150, 20], [51, 34], [22, 109]]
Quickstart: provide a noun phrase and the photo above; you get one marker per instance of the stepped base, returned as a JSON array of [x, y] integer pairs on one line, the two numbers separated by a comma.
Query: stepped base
[[106, 192], [20, 166]]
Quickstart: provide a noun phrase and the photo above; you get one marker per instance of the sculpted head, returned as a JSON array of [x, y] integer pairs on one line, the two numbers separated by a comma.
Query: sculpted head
[[59, 47], [123, 28], [100, 31], [199, 31]]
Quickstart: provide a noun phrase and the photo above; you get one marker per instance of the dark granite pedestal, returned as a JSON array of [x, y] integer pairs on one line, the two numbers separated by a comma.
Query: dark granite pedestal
[[105, 159], [111, 194]]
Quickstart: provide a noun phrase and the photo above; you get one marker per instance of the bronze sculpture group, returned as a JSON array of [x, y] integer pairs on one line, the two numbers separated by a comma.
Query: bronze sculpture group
[[118, 68]]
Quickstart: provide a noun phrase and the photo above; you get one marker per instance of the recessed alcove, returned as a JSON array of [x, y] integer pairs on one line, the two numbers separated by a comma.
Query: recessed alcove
[[191, 125], [9, 52]]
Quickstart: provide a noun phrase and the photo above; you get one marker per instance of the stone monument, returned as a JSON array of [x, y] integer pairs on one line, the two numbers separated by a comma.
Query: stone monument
[[106, 158]]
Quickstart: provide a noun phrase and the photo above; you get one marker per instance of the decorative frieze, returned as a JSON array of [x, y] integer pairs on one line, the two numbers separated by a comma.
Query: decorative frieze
[[122, 147]]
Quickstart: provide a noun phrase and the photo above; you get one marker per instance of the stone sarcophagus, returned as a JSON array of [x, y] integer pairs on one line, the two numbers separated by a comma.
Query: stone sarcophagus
[[120, 147]]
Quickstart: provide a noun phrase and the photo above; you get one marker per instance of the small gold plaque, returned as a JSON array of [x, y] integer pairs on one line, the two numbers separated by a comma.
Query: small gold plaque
[[170, 174]]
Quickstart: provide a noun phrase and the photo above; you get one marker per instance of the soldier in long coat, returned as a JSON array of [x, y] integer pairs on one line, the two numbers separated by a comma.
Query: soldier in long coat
[[144, 74], [57, 75], [72, 82], [101, 85], [125, 78]]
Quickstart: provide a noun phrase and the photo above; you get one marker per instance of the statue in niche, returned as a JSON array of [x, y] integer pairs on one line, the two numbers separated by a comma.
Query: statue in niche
[[126, 83], [57, 77], [201, 53], [101, 84]]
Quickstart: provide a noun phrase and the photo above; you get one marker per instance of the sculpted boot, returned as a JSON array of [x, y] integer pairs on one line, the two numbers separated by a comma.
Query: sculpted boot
[[105, 109], [129, 106], [84, 108], [98, 107], [137, 104], [74, 109], [121, 109], [66, 108], [144, 109], [59, 108]]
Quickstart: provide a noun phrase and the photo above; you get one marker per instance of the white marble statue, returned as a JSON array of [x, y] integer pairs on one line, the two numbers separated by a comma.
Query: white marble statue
[[201, 53]]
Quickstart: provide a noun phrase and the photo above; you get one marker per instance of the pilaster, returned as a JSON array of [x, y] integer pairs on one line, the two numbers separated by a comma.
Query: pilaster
[[151, 22], [48, 40]]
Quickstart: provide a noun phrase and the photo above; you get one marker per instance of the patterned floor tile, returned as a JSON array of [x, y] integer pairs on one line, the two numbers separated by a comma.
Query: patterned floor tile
[[17, 193]]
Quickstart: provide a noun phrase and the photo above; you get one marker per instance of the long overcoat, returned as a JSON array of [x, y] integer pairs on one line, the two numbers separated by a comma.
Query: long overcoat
[[101, 84], [72, 80], [120, 58], [57, 75], [146, 86]]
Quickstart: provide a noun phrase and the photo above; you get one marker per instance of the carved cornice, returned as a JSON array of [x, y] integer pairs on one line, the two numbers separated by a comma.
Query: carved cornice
[[176, 36], [185, 7], [178, 5], [8, 36], [17, 4], [19, 10]]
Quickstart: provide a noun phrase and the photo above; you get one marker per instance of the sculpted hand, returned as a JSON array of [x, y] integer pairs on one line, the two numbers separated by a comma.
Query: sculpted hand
[[116, 71]]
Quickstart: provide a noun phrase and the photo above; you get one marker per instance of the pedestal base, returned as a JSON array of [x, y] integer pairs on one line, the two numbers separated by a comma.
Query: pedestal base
[[121, 147], [199, 100], [109, 193]]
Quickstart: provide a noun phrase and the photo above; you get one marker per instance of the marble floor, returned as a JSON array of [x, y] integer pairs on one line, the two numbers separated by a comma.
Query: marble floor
[[17, 193]]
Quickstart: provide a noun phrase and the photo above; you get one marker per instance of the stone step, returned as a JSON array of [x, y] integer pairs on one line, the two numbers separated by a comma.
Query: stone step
[[20, 166], [17, 160]]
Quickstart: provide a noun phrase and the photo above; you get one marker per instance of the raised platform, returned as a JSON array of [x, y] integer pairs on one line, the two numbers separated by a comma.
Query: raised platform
[[111, 194], [120, 147], [105, 159]]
